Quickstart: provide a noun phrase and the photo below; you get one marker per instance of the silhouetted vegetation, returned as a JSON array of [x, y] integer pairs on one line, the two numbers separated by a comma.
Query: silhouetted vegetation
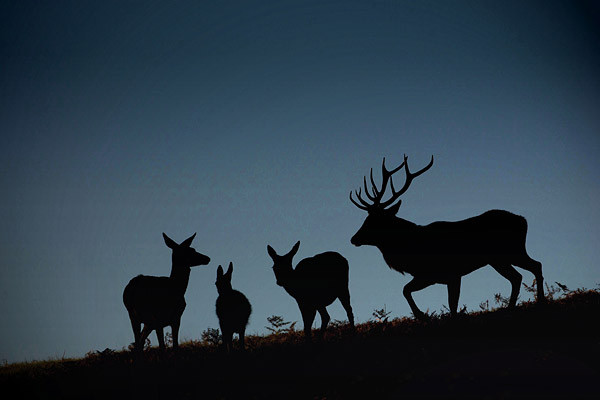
[[549, 351]]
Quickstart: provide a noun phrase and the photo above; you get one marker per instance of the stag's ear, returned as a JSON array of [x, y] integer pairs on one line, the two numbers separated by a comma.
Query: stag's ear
[[170, 242], [294, 250], [271, 252], [188, 242], [230, 269], [394, 209], [219, 271]]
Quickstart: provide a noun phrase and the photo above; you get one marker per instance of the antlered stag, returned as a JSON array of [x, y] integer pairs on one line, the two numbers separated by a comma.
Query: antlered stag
[[158, 301], [442, 252]]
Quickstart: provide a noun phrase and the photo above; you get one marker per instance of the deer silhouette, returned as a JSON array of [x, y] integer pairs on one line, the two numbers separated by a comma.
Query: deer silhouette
[[158, 301], [233, 309], [315, 283], [442, 252]]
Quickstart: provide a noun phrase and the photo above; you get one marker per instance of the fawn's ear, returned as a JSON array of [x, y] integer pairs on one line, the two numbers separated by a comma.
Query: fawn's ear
[[188, 242], [170, 242], [294, 250], [230, 269], [271, 252], [219, 271]]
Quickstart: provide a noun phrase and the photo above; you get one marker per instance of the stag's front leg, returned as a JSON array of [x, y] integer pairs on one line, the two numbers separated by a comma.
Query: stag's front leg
[[453, 295], [414, 286]]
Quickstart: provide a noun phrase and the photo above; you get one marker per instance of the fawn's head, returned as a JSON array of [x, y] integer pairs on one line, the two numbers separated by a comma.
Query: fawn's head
[[282, 265], [223, 282], [381, 221], [184, 255]]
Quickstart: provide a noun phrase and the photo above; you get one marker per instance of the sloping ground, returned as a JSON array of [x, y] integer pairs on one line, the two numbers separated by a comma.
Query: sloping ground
[[551, 351]]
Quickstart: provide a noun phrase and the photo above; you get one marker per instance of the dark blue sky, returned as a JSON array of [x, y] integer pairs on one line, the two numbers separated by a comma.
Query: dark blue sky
[[251, 123]]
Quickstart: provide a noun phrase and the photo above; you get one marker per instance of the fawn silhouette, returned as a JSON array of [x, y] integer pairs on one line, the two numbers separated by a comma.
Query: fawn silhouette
[[443, 252], [233, 309], [158, 301], [315, 283]]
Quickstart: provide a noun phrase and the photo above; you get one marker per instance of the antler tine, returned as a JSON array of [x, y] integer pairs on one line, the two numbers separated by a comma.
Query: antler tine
[[374, 196], [363, 204], [409, 177]]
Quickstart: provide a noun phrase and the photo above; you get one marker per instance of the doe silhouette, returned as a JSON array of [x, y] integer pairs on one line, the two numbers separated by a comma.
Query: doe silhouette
[[315, 283], [442, 252], [233, 309], [158, 301]]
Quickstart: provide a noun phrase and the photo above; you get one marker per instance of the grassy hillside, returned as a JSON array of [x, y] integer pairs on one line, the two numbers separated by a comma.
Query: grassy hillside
[[550, 351]]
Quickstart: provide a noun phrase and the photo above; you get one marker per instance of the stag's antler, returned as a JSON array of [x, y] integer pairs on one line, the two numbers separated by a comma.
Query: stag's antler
[[376, 194]]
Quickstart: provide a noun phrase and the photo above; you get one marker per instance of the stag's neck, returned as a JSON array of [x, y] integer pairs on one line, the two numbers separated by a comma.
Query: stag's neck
[[180, 278], [398, 249]]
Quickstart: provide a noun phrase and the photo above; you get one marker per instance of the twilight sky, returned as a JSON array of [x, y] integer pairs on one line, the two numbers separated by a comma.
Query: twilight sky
[[250, 122]]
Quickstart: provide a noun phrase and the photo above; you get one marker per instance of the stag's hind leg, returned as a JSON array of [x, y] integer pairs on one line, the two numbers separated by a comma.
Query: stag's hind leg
[[535, 267], [453, 295], [508, 271]]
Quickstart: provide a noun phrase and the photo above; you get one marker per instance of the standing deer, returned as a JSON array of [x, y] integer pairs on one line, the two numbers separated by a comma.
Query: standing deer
[[158, 301], [315, 283], [442, 252], [233, 308]]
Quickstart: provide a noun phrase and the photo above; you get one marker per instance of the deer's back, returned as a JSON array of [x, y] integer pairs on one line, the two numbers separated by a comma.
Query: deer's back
[[233, 310], [460, 247], [324, 266], [319, 280], [153, 300]]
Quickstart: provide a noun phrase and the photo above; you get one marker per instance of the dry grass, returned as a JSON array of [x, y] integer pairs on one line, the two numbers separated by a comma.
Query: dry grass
[[532, 351]]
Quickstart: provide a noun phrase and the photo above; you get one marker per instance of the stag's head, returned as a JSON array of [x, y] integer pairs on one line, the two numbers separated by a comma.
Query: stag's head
[[379, 222], [184, 255]]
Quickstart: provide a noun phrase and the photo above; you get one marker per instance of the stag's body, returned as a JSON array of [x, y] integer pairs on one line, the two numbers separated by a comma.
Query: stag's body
[[443, 252], [158, 301], [315, 283], [233, 309]]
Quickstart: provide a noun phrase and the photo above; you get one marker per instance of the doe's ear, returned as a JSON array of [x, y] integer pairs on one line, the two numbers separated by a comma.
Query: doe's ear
[[188, 242], [271, 252], [294, 250], [219, 271], [230, 269], [170, 242]]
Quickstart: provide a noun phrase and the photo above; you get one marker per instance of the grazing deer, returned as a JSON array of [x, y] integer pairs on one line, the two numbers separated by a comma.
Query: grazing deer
[[158, 301], [442, 252], [315, 283], [233, 309]]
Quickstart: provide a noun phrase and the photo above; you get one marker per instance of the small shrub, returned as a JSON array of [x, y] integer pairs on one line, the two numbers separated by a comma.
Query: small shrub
[[381, 315], [211, 336], [278, 325]]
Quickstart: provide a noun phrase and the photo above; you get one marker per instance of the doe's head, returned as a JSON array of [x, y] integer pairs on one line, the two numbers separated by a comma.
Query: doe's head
[[183, 254], [282, 265]]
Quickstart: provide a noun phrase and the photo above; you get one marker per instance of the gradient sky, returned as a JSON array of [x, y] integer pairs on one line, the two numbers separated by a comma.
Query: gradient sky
[[250, 124]]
